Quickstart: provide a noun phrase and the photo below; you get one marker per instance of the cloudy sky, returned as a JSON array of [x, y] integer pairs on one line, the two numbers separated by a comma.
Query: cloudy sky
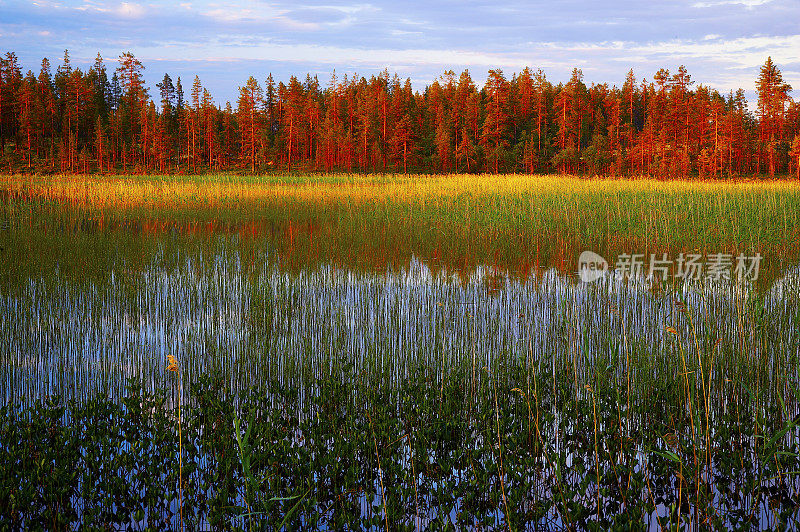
[[722, 42]]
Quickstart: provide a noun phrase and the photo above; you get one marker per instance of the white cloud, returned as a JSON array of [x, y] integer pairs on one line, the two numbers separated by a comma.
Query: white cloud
[[123, 9], [719, 46], [331, 55], [130, 10], [236, 15], [403, 33], [262, 15], [734, 61], [292, 19], [750, 4], [741, 53]]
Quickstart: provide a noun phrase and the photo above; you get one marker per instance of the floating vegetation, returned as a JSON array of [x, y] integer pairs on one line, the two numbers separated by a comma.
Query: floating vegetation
[[519, 448]]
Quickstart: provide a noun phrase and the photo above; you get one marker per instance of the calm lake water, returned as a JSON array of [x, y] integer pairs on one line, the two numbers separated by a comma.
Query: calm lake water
[[252, 319], [83, 309]]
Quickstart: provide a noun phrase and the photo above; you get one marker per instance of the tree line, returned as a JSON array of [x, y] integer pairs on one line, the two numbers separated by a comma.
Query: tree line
[[102, 121]]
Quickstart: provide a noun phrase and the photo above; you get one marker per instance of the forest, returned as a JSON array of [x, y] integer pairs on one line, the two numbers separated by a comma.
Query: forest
[[107, 121]]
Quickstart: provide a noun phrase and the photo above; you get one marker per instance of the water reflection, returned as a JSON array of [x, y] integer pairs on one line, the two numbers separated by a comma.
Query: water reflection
[[269, 323]]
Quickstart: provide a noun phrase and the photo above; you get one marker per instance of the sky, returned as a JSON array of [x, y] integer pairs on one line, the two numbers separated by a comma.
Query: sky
[[721, 42]]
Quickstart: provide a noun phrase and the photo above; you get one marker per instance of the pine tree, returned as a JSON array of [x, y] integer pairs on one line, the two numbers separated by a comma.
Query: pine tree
[[193, 122], [250, 100], [10, 84], [132, 102], [403, 146], [28, 122], [167, 92], [795, 152], [101, 89], [495, 127], [773, 95], [667, 127]]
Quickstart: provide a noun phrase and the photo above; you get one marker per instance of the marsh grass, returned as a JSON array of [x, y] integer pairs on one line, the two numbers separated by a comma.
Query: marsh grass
[[400, 353], [517, 223]]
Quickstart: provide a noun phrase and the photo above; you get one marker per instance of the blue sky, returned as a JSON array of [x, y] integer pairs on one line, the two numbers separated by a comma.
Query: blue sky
[[722, 42]]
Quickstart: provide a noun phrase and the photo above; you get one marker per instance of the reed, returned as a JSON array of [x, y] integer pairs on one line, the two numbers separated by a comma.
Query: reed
[[466, 378]]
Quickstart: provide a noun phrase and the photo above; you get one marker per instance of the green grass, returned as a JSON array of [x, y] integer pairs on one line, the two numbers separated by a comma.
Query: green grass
[[375, 222]]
